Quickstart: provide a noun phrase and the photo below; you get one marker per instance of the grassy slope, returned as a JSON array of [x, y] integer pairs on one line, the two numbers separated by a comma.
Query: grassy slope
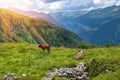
[[15, 27], [19, 28], [24, 58]]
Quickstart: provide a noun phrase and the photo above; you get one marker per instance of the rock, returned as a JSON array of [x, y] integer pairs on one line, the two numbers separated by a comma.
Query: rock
[[77, 73], [107, 71], [24, 75], [79, 78], [9, 76], [45, 78]]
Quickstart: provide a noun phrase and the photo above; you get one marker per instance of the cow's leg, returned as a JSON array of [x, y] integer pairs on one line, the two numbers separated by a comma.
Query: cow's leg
[[48, 49], [43, 50]]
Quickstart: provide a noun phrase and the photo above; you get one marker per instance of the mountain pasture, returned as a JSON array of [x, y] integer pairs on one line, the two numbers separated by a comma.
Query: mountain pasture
[[24, 58]]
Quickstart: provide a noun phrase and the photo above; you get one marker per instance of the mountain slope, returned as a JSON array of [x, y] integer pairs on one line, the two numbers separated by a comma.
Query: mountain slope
[[100, 26], [18, 28]]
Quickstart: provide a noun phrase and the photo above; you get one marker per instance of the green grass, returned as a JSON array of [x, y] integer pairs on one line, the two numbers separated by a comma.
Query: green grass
[[110, 76], [24, 58]]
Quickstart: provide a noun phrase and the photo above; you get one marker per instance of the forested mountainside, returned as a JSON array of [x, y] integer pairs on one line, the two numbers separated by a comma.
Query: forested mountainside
[[19, 28]]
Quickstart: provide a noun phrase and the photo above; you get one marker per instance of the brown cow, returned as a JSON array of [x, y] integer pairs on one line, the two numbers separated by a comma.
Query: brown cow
[[44, 47], [79, 54]]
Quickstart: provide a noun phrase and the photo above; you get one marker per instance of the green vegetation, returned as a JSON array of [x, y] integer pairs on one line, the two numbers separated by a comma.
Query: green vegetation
[[24, 58], [111, 76], [19, 28], [61, 37]]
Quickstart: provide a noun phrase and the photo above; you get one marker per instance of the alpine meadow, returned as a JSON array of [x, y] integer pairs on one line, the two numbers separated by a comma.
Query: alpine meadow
[[59, 40]]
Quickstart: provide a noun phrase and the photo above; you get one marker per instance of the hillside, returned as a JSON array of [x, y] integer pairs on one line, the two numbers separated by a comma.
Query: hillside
[[18, 28], [100, 26], [24, 58]]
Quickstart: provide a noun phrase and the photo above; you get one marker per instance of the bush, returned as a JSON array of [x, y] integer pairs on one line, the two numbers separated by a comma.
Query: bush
[[109, 45], [111, 76], [100, 65], [87, 46]]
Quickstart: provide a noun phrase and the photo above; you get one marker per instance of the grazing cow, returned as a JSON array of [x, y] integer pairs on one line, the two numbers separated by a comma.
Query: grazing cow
[[44, 47], [79, 54]]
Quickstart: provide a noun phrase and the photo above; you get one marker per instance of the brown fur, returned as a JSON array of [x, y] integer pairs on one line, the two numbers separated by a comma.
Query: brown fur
[[44, 47], [79, 54]]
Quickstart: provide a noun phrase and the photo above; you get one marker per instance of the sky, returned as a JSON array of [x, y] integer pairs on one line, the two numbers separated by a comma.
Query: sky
[[57, 5]]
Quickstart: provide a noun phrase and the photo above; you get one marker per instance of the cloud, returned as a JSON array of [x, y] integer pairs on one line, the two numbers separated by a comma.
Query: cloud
[[58, 5], [118, 3], [46, 7], [49, 1], [77, 4], [21, 4], [104, 3]]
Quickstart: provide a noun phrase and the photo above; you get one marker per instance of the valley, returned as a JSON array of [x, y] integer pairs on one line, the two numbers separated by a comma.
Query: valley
[[99, 27]]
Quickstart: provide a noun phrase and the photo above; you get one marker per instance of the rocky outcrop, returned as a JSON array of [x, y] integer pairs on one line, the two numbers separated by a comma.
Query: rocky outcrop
[[10, 76], [80, 72]]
